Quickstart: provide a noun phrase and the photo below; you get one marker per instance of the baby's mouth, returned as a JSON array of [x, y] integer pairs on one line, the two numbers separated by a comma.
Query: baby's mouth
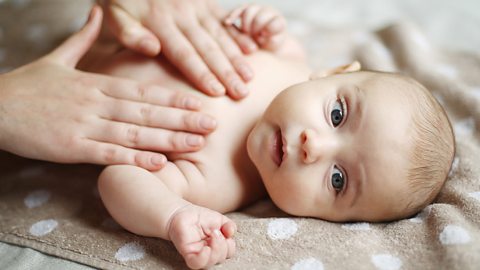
[[277, 152]]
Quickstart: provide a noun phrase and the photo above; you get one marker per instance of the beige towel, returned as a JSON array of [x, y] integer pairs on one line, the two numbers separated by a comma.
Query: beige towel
[[56, 209]]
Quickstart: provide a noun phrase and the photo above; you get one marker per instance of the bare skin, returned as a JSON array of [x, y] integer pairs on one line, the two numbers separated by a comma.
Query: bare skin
[[190, 34], [99, 119], [185, 201], [107, 120]]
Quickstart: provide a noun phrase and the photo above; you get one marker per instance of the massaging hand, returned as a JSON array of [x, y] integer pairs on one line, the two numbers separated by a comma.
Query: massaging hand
[[50, 111], [264, 24], [190, 35], [202, 236]]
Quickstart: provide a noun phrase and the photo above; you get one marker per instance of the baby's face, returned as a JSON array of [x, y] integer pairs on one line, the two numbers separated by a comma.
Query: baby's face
[[336, 148]]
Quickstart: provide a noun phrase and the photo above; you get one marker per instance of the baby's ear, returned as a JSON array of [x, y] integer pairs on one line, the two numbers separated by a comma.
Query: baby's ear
[[352, 67]]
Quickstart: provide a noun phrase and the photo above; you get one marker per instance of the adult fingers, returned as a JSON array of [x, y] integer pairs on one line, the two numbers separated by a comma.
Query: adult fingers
[[147, 138], [178, 49], [152, 94], [144, 114], [246, 44], [131, 33], [71, 50], [216, 60], [244, 41], [109, 154], [229, 47]]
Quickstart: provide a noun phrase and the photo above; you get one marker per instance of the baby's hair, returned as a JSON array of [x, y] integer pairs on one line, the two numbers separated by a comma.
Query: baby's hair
[[433, 148]]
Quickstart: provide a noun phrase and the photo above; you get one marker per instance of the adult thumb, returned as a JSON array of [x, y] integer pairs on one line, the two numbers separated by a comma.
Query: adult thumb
[[72, 49]]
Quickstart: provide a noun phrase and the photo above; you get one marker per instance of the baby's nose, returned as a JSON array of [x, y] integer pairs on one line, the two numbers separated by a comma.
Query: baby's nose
[[316, 146]]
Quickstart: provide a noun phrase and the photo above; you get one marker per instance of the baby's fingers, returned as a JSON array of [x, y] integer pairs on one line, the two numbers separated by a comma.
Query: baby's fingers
[[198, 260], [229, 228], [261, 20], [243, 17], [231, 247], [275, 26], [219, 248]]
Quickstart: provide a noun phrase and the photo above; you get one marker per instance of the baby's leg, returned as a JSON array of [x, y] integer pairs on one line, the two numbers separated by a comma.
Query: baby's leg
[[144, 205]]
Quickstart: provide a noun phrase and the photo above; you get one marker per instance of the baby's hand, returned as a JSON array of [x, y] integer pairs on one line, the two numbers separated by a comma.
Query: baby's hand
[[202, 236], [264, 24]]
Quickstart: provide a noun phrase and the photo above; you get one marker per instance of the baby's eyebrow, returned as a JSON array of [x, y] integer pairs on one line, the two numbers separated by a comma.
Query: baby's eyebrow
[[357, 112], [358, 183]]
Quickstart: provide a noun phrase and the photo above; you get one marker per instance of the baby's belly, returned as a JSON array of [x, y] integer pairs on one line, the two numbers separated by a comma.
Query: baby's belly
[[223, 161]]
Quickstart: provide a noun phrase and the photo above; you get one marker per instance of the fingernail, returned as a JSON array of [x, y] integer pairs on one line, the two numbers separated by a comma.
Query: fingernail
[[194, 140], [208, 123], [217, 87], [158, 160], [246, 72], [241, 89]]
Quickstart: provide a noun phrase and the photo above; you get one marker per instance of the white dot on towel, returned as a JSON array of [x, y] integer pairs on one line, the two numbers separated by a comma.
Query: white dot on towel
[[386, 262], [308, 264], [43, 227], [465, 127], [420, 217], [130, 252], [475, 195], [359, 226], [37, 198], [453, 234], [282, 228]]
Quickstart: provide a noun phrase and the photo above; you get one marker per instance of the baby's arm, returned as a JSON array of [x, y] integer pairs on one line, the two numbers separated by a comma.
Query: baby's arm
[[268, 28], [152, 205]]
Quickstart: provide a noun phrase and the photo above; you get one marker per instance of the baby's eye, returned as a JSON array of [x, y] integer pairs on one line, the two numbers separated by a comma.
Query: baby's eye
[[338, 180], [337, 113]]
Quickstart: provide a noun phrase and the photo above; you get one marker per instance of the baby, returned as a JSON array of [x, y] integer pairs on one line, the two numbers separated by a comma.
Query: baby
[[339, 145]]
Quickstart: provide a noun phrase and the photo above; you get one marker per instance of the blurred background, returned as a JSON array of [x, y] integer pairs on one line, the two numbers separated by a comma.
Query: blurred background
[[30, 28]]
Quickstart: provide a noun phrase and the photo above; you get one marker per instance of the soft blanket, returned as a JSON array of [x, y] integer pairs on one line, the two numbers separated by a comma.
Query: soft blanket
[[56, 208]]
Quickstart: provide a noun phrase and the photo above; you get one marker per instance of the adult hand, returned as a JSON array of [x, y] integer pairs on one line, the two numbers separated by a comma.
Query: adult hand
[[190, 34], [50, 111]]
